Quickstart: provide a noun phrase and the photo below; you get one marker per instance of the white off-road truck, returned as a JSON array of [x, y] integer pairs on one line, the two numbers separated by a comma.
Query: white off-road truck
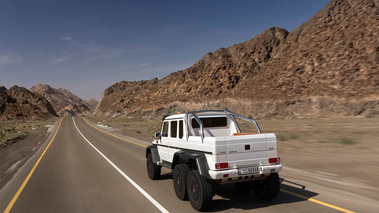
[[207, 148]]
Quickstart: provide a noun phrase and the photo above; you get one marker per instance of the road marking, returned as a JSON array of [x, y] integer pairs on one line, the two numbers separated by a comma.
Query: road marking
[[151, 199], [114, 135], [326, 173], [316, 201], [15, 197]]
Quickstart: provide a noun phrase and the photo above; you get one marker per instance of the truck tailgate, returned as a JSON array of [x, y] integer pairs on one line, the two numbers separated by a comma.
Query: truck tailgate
[[247, 150]]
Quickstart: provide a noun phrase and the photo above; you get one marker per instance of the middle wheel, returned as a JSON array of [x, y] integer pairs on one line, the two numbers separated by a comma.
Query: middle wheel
[[180, 181]]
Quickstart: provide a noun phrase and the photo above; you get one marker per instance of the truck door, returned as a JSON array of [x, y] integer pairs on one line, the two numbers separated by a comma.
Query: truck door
[[172, 141], [163, 145]]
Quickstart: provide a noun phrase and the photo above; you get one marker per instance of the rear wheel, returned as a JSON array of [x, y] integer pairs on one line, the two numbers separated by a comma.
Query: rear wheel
[[268, 188], [153, 170], [180, 175], [200, 192]]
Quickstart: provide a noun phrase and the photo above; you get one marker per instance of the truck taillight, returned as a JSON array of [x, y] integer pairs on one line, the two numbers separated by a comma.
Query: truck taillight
[[222, 165], [274, 160]]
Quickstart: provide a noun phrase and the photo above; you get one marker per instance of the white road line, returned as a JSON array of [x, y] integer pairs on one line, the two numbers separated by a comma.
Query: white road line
[[151, 199], [326, 173]]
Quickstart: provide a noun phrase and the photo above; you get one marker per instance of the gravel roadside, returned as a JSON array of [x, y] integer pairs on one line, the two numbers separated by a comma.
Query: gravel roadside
[[21, 145]]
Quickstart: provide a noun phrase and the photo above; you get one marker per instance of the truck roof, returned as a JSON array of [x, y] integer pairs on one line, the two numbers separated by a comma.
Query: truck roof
[[200, 113], [175, 116]]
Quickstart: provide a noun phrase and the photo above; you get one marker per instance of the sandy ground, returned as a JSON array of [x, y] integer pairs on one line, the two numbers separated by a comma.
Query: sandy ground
[[337, 153]]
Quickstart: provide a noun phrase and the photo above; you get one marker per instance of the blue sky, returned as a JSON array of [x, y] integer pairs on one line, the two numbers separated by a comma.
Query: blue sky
[[86, 46]]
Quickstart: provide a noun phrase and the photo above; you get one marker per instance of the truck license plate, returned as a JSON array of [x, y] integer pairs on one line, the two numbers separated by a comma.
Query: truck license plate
[[252, 170]]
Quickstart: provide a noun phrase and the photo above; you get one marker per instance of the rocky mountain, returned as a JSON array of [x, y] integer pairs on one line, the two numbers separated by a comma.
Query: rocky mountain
[[92, 104], [327, 67], [64, 102], [18, 103]]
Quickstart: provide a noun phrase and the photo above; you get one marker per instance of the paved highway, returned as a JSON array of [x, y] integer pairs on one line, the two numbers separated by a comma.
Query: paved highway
[[82, 168]]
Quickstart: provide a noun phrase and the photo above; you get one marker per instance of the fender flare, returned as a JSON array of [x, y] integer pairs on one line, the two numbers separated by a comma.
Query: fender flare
[[153, 150], [195, 160]]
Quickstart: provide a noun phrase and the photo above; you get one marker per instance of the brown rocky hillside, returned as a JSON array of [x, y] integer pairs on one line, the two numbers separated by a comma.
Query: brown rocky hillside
[[64, 102], [92, 104], [327, 67], [18, 103]]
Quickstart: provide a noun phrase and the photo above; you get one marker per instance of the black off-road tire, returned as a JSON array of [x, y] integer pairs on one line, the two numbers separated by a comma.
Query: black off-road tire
[[244, 186], [179, 178], [153, 170], [200, 192], [268, 188]]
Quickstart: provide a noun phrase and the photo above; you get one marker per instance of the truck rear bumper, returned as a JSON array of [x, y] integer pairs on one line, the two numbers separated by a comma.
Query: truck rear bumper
[[236, 175]]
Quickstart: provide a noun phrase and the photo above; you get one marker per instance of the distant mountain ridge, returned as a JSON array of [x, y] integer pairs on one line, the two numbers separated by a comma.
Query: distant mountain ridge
[[64, 102], [327, 67], [18, 103]]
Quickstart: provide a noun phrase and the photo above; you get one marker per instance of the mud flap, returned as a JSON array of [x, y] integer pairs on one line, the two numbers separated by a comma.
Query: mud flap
[[202, 165]]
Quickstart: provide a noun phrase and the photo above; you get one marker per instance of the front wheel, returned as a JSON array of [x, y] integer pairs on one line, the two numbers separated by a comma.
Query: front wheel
[[153, 170], [200, 192], [268, 188]]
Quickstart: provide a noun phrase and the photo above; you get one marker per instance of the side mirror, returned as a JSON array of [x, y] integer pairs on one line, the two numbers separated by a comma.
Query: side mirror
[[157, 135]]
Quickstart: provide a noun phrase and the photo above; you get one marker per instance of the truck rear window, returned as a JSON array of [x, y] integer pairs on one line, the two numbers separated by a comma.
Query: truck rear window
[[210, 122]]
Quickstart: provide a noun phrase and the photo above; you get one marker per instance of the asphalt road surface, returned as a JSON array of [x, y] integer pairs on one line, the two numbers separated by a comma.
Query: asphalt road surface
[[82, 168]]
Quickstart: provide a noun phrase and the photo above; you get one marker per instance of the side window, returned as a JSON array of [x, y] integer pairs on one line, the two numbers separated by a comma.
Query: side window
[[181, 129], [165, 129], [174, 129]]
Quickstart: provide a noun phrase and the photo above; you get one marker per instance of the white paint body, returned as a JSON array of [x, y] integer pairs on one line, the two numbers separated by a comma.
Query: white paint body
[[223, 144]]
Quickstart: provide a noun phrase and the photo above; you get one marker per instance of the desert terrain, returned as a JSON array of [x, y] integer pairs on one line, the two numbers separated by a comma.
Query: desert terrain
[[19, 140], [316, 88]]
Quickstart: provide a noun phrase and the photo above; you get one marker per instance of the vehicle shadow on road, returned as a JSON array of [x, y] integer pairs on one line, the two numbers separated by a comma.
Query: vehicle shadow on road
[[166, 176], [231, 198]]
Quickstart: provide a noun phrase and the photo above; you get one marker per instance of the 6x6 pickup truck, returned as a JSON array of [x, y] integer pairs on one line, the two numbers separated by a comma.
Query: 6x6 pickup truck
[[207, 148]]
